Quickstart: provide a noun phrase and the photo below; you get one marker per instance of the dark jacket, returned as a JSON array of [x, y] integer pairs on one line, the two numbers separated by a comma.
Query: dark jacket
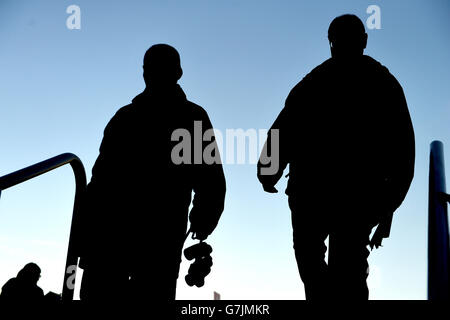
[[21, 290], [347, 135], [137, 201]]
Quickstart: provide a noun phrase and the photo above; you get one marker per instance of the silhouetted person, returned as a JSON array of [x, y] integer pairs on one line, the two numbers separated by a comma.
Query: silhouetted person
[[137, 205], [24, 288], [346, 133]]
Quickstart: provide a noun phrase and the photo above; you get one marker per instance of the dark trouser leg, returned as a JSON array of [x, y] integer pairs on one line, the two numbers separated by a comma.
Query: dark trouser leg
[[347, 262], [309, 234], [154, 274], [104, 282], [153, 288]]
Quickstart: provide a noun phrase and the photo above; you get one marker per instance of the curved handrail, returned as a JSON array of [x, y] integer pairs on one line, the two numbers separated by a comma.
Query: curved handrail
[[38, 169]]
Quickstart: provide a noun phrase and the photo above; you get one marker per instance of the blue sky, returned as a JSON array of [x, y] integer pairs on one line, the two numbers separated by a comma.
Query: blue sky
[[60, 87]]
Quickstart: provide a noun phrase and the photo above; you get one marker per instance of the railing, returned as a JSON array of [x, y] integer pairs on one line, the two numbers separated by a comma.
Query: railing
[[438, 228], [37, 169], [438, 236]]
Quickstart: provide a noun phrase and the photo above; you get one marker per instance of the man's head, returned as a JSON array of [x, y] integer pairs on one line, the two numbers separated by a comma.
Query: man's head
[[162, 65], [30, 273], [347, 36]]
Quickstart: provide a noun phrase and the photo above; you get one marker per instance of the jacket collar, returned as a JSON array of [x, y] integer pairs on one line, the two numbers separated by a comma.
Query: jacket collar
[[173, 93]]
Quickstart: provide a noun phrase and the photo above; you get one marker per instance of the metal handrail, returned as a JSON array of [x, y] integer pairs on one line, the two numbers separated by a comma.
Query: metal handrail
[[37, 169], [438, 229]]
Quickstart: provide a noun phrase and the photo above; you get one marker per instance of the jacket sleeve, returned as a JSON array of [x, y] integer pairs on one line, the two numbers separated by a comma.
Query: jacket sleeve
[[400, 170], [276, 153], [402, 149], [109, 155], [96, 195], [109, 151], [209, 187], [273, 159]]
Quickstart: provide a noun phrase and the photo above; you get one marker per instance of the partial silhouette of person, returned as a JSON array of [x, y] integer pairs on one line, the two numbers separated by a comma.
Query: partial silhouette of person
[[23, 288], [347, 136], [136, 209]]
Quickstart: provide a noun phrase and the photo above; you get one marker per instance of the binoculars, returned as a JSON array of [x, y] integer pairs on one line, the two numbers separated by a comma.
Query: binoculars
[[201, 266]]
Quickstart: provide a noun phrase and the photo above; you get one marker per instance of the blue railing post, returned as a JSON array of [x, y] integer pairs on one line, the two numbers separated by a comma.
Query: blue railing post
[[438, 229]]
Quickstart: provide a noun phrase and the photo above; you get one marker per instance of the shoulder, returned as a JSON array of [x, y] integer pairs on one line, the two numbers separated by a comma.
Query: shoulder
[[377, 68], [314, 76], [197, 111], [122, 117], [10, 283], [124, 112], [321, 69]]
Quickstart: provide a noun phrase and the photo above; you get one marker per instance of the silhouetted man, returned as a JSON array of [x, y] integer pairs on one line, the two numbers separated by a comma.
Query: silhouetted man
[[137, 203], [24, 288], [346, 133]]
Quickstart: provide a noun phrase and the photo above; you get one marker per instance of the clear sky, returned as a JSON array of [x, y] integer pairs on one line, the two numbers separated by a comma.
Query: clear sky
[[60, 87]]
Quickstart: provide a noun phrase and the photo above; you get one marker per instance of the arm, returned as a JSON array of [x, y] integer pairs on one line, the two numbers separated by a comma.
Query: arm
[[401, 172], [402, 157], [209, 188], [110, 149], [273, 160], [275, 155], [97, 192]]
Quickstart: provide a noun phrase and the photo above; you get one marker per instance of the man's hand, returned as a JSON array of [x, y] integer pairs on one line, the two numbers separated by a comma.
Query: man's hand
[[269, 188], [200, 235], [382, 231], [377, 239], [201, 227]]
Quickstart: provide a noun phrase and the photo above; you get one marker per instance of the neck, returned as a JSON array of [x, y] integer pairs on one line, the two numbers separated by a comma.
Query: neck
[[163, 87]]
